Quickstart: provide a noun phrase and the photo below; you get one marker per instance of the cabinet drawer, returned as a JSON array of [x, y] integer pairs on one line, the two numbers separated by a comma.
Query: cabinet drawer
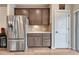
[[34, 35], [46, 35], [46, 38], [46, 41]]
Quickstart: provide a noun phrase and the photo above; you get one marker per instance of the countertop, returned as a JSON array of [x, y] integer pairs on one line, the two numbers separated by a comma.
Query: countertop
[[39, 32]]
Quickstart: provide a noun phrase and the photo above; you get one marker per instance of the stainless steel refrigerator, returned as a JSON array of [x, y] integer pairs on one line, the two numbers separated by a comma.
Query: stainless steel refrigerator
[[17, 33]]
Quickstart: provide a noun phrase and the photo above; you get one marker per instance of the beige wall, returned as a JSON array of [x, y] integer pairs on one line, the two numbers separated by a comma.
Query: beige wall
[[3, 14], [75, 7], [4, 11], [10, 9]]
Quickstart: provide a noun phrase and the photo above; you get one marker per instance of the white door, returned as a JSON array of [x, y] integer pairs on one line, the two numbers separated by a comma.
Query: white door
[[61, 29]]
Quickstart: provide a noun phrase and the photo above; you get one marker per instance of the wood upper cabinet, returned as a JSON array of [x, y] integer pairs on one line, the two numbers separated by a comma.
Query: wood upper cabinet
[[22, 11], [35, 16], [45, 16]]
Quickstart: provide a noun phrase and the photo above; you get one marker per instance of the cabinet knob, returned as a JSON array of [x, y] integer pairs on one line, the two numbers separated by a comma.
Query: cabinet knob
[[56, 31]]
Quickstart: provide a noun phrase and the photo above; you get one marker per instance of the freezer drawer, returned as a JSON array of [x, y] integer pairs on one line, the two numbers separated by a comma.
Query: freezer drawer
[[16, 45]]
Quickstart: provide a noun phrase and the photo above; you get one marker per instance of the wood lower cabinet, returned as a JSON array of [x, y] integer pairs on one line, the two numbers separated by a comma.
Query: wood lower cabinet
[[39, 40]]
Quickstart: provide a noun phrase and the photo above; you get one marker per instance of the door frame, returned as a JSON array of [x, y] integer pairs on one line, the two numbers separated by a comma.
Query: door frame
[[69, 28], [74, 19]]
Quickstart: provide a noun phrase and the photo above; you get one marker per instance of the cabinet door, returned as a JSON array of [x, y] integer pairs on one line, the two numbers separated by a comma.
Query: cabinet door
[[31, 41], [22, 11], [46, 41], [45, 16], [35, 16], [38, 41]]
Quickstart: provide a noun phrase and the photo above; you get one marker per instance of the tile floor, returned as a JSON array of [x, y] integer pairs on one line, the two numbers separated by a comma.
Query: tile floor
[[40, 51]]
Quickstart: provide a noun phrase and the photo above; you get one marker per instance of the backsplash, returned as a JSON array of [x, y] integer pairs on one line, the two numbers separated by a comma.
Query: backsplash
[[39, 28]]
